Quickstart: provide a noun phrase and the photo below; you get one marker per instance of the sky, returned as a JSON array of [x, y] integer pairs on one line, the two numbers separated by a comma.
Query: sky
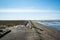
[[29, 9]]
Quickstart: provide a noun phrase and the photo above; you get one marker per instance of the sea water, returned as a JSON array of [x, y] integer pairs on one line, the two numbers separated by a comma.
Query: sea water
[[51, 23]]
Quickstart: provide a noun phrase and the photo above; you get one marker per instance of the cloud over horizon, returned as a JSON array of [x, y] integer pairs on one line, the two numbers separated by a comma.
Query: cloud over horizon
[[27, 10]]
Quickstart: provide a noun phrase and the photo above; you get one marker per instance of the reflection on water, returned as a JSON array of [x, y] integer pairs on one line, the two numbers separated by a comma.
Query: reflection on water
[[54, 24]]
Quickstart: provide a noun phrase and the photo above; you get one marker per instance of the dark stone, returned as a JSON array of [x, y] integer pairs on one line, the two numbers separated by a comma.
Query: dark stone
[[4, 33], [1, 30]]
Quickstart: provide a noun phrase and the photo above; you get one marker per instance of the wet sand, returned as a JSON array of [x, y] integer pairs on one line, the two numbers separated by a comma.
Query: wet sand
[[47, 33]]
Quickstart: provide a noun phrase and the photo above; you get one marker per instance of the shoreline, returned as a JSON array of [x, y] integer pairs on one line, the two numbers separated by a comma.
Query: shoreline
[[53, 33], [53, 27]]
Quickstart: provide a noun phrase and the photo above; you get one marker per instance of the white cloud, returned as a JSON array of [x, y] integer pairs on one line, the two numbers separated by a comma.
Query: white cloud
[[32, 16], [26, 10]]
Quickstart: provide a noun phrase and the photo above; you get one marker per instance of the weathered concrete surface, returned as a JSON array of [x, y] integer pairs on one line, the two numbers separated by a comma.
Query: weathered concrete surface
[[22, 34]]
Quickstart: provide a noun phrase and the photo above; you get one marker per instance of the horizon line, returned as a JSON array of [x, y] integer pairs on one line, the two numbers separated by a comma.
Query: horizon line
[[27, 10]]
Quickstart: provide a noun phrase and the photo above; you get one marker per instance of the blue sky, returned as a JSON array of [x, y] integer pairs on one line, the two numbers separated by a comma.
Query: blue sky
[[31, 9]]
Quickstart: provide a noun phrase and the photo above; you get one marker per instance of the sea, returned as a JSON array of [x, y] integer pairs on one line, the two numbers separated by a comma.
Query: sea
[[50, 23]]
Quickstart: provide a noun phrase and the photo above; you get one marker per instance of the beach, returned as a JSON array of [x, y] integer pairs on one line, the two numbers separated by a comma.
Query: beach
[[30, 30], [46, 32]]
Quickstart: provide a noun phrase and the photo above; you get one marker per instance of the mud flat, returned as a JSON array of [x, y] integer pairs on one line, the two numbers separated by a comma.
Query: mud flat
[[12, 22], [45, 32]]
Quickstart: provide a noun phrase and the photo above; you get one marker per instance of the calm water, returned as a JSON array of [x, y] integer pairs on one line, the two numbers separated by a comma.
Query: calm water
[[50, 23]]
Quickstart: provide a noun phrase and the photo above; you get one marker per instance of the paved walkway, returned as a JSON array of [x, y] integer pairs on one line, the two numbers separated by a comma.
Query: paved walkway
[[22, 34]]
